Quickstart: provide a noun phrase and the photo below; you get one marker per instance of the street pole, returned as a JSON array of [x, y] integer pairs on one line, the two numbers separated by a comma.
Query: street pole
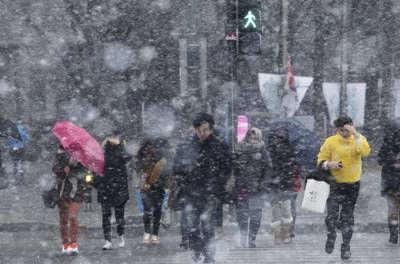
[[284, 34], [344, 61], [234, 74]]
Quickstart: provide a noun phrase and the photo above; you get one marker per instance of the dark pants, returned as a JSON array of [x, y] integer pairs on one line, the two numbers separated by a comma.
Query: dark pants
[[199, 211], [218, 217], [184, 227], [249, 219], [340, 209], [119, 217], [293, 205], [152, 204]]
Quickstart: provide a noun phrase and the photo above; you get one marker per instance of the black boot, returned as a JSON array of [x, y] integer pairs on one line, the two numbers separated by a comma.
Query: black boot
[[330, 242], [394, 234], [345, 251]]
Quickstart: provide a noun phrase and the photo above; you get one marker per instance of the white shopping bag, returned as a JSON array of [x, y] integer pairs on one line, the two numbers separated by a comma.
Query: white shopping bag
[[315, 196]]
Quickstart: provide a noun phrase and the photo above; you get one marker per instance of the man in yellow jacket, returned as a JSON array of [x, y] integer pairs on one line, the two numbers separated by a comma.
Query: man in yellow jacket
[[341, 154]]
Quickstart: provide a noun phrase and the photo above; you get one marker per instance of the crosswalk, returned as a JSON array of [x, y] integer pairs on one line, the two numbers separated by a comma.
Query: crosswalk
[[44, 247], [366, 248]]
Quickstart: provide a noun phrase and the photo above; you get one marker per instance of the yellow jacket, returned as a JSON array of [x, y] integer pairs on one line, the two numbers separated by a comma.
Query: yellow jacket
[[346, 150]]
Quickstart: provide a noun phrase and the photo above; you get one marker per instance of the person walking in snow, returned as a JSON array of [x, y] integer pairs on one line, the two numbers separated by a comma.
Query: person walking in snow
[[69, 183], [112, 188], [342, 155], [282, 184], [201, 163], [389, 159], [153, 164], [250, 165]]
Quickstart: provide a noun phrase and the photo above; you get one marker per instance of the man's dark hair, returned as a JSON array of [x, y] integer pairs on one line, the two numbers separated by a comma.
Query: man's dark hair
[[343, 120], [116, 133], [203, 118]]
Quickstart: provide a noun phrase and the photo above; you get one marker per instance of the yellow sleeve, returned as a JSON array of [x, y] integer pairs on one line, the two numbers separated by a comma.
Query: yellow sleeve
[[324, 152], [363, 147]]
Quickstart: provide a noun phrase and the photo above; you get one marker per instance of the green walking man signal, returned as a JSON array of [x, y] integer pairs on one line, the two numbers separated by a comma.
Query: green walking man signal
[[250, 20], [250, 29]]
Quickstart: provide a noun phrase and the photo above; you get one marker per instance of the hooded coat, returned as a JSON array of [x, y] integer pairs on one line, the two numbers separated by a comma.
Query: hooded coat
[[113, 186], [252, 166]]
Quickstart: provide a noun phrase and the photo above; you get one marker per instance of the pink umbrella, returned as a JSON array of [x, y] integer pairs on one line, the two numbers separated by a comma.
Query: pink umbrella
[[80, 145]]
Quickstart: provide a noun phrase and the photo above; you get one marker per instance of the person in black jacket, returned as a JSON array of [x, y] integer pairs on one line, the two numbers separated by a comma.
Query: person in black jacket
[[389, 159], [283, 184], [153, 164], [201, 163], [251, 164], [113, 187], [70, 185]]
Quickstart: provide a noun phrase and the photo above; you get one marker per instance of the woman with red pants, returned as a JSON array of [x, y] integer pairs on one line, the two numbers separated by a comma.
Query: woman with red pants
[[69, 175]]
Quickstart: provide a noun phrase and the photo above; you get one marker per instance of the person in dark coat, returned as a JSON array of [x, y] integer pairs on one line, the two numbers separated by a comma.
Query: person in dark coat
[[112, 188], [69, 182], [283, 184], [201, 163], [251, 164], [389, 159], [153, 166]]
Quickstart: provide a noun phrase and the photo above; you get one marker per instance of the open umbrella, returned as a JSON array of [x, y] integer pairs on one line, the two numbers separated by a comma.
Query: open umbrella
[[80, 145], [305, 142]]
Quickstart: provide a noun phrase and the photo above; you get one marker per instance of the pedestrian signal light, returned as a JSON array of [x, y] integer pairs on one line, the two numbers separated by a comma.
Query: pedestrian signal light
[[250, 20]]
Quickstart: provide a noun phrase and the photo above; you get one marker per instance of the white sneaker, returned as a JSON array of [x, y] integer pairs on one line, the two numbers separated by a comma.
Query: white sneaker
[[146, 238], [107, 245], [155, 239], [65, 249], [73, 249], [121, 242]]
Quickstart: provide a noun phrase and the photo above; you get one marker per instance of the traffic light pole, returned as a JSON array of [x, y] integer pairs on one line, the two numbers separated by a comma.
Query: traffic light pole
[[284, 34], [234, 73]]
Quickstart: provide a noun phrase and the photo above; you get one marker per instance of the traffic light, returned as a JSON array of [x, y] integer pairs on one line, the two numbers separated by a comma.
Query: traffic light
[[250, 27]]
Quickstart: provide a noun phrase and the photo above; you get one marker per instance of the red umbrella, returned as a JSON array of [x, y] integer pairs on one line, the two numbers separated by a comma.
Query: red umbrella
[[81, 145]]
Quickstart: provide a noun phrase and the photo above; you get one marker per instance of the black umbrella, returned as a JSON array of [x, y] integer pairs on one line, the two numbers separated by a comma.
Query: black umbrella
[[305, 142], [8, 129]]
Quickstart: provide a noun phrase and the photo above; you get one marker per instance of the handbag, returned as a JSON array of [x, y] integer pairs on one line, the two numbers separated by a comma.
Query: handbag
[[50, 197], [315, 195]]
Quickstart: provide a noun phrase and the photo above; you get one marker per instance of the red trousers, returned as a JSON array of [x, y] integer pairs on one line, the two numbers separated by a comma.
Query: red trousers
[[68, 212]]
